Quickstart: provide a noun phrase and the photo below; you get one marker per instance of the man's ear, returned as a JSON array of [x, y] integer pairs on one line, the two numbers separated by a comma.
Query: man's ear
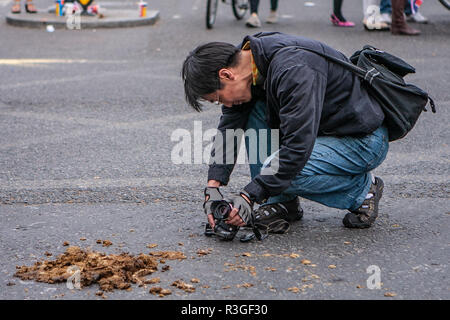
[[226, 74]]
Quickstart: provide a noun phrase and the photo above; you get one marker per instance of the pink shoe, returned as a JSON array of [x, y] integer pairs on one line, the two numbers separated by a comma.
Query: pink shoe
[[340, 23]]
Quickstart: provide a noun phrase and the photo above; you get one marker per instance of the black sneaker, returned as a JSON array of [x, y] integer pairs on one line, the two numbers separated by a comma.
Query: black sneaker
[[275, 217], [365, 215]]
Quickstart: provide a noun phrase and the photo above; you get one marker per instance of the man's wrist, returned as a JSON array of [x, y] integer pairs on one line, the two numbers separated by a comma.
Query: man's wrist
[[213, 183], [214, 192], [247, 197]]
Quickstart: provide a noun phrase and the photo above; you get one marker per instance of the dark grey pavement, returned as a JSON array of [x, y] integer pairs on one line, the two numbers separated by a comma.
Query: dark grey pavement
[[86, 118]]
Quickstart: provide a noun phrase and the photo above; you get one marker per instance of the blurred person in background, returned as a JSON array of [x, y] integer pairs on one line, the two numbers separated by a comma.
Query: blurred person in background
[[372, 19], [337, 18], [411, 11], [29, 7], [254, 22], [398, 24]]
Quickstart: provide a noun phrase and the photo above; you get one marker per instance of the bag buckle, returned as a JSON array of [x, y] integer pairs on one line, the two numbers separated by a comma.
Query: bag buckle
[[371, 75]]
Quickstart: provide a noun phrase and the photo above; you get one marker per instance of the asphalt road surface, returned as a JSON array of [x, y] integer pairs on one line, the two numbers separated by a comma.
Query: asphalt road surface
[[86, 119]]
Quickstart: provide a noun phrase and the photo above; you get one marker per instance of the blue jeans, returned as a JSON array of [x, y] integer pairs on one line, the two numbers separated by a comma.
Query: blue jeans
[[337, 173], [385, 7]]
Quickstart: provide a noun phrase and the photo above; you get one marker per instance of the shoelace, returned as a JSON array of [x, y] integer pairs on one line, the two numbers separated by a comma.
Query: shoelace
[[277, 226]]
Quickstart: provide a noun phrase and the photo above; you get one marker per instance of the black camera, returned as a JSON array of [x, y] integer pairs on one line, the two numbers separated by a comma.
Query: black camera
[[221, 211]]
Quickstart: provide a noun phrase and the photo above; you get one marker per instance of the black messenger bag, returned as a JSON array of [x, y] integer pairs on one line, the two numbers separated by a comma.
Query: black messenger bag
[[382, 74]]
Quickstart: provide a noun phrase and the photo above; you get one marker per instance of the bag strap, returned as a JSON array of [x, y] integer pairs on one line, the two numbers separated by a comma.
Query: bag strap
[[368, 75], [349, 66], [433, 106]]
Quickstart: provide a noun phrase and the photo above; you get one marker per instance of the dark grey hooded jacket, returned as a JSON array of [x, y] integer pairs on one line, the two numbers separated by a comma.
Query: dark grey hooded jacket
[[306, 96]]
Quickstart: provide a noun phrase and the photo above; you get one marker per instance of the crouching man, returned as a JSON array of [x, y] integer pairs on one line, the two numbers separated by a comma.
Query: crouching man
[[331, 133]]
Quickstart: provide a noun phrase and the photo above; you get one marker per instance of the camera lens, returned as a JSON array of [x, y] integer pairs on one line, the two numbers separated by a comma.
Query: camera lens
[[220, 209], [224, 210]]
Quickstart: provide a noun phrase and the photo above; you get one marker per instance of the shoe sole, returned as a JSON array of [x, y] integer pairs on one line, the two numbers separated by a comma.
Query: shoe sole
[[396, 33], [252, 26], [376, 29]]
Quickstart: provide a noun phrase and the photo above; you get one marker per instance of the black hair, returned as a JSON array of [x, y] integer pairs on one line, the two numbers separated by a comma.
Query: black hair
[[200, 71]]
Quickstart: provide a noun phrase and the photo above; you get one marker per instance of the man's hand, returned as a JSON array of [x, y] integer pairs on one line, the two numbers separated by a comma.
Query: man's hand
[[211, 194], [242, 211]]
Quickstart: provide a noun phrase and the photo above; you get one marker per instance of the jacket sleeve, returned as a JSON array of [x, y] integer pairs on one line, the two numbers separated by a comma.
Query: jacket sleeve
[[299, 91], [226, 145]]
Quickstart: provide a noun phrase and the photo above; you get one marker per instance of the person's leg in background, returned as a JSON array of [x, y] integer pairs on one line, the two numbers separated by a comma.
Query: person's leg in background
[[372, 20], [254, 4], [385, 6], [399, 25], [273, 16], [253, 21], [337, 18], [385, 11], [412, 12], [29, 7]]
